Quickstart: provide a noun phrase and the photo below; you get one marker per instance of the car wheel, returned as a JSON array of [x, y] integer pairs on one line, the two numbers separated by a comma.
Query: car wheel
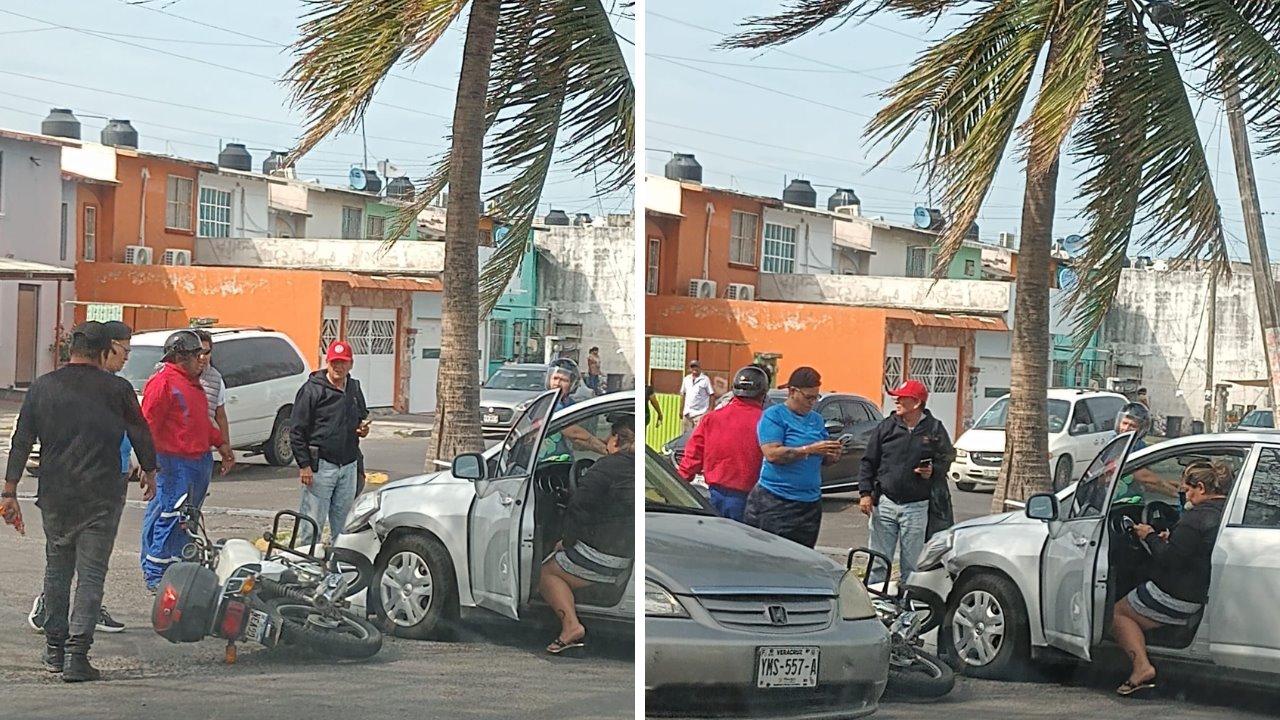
[[986, 626], [966, 486], [277, 450], [1062, 473], [414, 589]]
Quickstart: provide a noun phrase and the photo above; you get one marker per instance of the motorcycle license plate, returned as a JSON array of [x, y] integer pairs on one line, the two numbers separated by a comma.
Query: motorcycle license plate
[[258, 628], [787, 667], [491, 419]]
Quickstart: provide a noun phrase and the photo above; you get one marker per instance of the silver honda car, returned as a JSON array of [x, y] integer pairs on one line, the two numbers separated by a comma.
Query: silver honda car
[[738, 621]]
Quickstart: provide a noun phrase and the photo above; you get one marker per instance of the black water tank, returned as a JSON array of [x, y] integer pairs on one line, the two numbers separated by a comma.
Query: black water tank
[[61, 123], [683, 166], [973, 232], [800, 192], [400, 187], [120, 133], [235, 157], [842, 197], [582, 219], [556, 217], [274, 162]]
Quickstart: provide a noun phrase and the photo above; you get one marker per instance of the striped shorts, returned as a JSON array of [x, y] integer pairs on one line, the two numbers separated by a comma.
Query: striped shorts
[[585, 562], [1154, 604]]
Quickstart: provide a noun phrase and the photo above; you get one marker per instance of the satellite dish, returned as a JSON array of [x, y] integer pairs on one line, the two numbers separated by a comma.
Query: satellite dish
[[1067, 278], [922, 218], [1072, 245], [358, 179]]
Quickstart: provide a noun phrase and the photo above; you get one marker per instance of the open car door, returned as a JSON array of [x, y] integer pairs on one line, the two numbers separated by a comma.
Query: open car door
[[493, 527], [1068, 561]]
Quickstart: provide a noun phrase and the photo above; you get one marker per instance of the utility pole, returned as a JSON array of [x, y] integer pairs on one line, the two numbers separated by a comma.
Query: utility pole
[[1208, 352], [1264, 288]]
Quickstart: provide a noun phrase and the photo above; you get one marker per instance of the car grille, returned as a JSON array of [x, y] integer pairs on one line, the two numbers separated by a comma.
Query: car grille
[[729, 701], [987, 459], [504, 414], [752, 612]]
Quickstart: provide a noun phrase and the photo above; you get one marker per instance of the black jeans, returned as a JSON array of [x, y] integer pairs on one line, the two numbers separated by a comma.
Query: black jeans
[[77, 543], [794, 520]]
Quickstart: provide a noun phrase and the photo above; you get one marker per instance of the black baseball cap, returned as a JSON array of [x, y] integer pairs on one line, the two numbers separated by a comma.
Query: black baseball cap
[[116, 330], [804, 377], [695, 363], [91, 335]]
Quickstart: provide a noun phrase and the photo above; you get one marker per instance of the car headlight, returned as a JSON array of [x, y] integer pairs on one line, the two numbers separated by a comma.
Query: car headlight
[[855, 601], [934, 550], [364, 509], [660, 603], [522, 406], [962, 454]]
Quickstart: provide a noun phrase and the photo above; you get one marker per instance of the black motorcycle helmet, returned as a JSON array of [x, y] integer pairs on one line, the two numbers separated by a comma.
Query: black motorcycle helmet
[[1140, 414], [182, 342], [750, 382]]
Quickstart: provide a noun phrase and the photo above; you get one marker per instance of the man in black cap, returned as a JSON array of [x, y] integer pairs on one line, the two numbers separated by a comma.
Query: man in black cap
[[79, 415]]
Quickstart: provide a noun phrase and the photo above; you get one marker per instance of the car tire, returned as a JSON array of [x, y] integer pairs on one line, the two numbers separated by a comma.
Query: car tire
[[966, 486], [1062, 473], [410, 556], [974, 606], [277, 450]]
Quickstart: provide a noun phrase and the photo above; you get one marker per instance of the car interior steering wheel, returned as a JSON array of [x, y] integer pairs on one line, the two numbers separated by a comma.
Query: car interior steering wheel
[[1127, 526], [1159, 515], [580, 467]]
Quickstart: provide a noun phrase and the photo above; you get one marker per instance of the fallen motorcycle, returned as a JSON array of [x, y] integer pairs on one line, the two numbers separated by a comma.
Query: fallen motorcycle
[[230, 590], [914, 673]]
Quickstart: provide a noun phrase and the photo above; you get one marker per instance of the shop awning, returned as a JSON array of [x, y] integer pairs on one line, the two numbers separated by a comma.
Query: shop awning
[[383, 282], [1251, 383], [25, 270], [951, 320]]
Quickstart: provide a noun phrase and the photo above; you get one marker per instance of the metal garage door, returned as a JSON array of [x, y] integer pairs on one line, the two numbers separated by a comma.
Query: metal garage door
[[938, 368], [372, 333]]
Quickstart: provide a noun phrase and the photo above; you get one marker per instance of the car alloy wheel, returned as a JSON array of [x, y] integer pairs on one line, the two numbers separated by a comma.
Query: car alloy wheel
[[978, 628], [406, 589]]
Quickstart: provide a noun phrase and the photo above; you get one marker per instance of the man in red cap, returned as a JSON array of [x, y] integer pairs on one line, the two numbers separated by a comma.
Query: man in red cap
[[329, 418], [904, 469]]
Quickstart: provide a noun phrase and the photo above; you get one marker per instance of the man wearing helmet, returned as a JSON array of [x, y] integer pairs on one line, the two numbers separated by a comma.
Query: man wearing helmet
[[723, 447], [564, 377], [177, 410], [1136, 418]]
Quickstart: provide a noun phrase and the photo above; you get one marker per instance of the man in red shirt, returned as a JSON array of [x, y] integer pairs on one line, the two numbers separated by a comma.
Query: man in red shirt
[[724, 448], [177, 410]]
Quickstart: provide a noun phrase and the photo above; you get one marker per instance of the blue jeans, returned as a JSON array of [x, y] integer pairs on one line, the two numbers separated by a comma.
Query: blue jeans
[[728, 503], [330, 496], [162, 539], [902, 528]]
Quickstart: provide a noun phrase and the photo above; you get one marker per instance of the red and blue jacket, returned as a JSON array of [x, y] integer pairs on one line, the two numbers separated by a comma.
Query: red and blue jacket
[[724, 448], [177, 410]]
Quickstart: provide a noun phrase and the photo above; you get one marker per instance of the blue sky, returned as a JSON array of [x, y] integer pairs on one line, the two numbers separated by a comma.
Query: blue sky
[[755, 117], [166, 55]]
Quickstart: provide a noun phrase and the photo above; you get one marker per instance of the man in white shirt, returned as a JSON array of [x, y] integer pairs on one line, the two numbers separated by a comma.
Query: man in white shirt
[[696, 393]]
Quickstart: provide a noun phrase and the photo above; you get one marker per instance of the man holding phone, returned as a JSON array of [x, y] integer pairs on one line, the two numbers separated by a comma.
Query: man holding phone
[[905, 466]]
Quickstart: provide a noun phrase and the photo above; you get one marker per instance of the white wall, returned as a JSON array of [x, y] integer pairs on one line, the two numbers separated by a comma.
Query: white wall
[[814, 237], [326, 206], [249, 202], [424, 373]]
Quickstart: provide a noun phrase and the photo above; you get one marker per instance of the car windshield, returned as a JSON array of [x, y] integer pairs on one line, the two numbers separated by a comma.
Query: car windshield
[[996, 415], [664, 491], [141, 365], [529, 379], [1258, 418]]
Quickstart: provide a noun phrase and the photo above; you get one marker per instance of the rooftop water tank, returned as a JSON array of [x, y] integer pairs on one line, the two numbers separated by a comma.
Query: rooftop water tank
[[400, 187], [842, 197], [800, 192], [683, 166], [972, 233], [61, 123], [274, 162], [582, 219], [235, 157], [556, 217], [120, 133], [365, 181]]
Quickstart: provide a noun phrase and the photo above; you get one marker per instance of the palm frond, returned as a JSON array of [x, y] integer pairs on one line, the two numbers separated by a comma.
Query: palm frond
[[800, 17], [345, 50], [968, 89]]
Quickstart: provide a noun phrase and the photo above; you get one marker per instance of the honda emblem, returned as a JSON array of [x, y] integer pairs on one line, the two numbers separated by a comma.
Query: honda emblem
[[777, 614]]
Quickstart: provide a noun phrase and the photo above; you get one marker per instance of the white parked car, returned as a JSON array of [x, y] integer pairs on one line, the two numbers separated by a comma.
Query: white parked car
[[1041, 582], [1080, 423], [475, 536]]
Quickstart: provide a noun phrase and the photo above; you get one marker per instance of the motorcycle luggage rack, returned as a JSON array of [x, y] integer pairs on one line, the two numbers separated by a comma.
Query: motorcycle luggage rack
[[273, 545], [873, 557]]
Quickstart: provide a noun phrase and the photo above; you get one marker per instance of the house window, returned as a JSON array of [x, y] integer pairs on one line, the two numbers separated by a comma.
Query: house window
[[352, 223], [215, 213], [919, 262], [970, 267], [377, 229], [177, 214], [486, 238], [497, 341], [651, 278], [62, 233], [742, 238], [779, 249], [90, 233]]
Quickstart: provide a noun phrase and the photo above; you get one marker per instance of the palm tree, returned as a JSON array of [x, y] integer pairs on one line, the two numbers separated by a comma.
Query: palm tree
[[1113, 77], [531, 69]]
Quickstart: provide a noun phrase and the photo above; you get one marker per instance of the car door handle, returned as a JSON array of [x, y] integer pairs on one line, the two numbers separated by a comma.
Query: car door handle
[[506, 500], [1081, 542]]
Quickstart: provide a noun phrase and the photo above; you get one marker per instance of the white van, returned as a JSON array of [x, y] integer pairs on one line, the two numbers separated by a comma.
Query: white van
[[1080, 424]]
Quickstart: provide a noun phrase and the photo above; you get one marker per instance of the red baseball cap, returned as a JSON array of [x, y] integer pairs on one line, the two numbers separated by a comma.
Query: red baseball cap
[[338, 350], [913, 389]]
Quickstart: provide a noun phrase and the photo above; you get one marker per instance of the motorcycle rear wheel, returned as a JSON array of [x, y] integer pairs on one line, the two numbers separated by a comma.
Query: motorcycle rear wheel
[[344, 635], [927, 677]]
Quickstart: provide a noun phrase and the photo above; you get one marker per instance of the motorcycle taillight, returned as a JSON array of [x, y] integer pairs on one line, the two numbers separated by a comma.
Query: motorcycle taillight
[[167, 613], [233, 620]]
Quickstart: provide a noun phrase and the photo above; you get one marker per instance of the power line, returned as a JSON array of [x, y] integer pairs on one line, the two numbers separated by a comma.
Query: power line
[[757, 66], [758, 86]]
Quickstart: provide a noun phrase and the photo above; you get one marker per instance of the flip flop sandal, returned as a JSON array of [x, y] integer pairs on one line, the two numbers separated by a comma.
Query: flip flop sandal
[[559, 646], [1128, 688]]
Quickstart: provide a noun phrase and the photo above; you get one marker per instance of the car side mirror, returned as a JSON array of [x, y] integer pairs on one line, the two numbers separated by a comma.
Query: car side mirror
[[1081, 429], [468, 466], [834, 427], [1043, 506]]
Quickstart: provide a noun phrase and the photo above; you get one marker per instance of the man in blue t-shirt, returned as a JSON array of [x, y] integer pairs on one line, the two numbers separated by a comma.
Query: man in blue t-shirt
[[788, 499]]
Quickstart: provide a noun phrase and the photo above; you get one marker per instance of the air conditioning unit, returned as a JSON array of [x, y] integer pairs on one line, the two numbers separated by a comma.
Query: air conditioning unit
[[1007, 240], [739, 291], [176, 257], [702, 288], [138, 255]]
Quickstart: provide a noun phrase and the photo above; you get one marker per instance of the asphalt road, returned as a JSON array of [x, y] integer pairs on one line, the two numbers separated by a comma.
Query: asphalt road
[[498, 669]]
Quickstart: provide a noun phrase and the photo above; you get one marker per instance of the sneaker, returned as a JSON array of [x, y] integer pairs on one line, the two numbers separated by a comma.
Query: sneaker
[[36, 618], [108, 624], [78, 669]]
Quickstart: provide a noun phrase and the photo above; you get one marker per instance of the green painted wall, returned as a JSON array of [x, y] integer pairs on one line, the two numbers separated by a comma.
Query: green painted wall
[[967, 264], [515, 318], [375, 208]]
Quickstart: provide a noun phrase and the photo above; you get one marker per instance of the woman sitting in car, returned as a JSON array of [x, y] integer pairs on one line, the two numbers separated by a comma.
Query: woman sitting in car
[[1180, 567]]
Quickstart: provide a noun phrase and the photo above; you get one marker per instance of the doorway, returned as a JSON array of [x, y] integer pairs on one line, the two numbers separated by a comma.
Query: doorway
[[28, 335]]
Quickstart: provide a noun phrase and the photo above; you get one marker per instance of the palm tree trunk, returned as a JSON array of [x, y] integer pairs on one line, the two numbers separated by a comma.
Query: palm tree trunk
[[457, 421]]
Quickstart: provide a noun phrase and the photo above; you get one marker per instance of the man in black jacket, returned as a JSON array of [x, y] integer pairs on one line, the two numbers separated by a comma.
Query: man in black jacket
[[904, 472], [598, 544], [329, 418]]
